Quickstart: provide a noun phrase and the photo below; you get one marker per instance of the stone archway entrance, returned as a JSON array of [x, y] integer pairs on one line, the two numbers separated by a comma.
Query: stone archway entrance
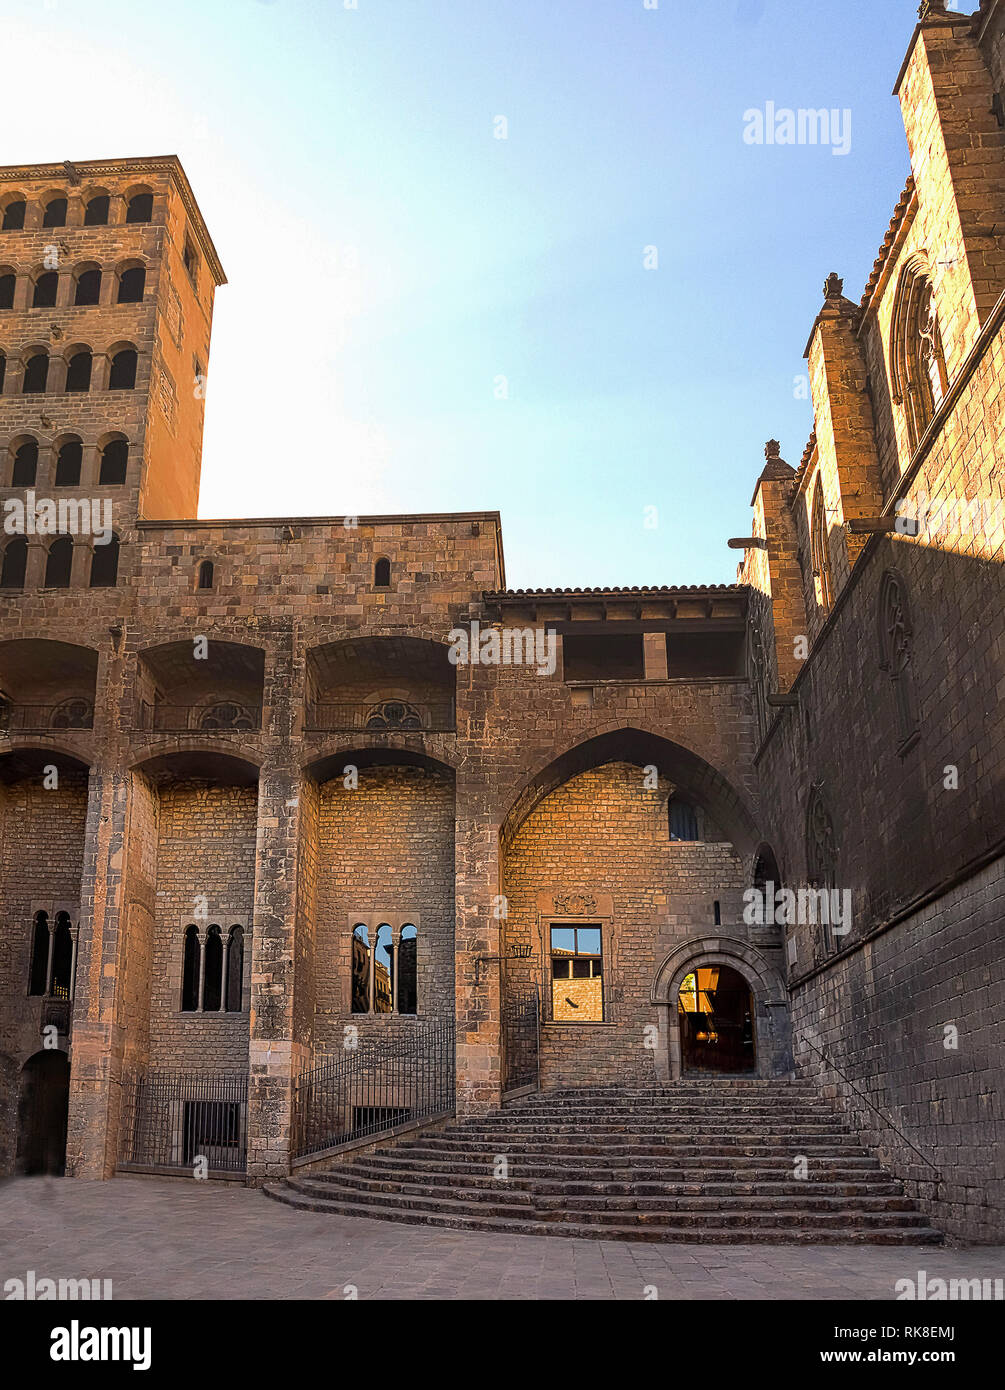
[[757, 981], [715, 1019], [43, 1104]]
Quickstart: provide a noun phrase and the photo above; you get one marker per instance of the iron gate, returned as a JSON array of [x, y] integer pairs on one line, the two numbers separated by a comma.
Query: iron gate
[[521, 1037]]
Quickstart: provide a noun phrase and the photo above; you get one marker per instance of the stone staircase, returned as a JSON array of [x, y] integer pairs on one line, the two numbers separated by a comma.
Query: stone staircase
[[699, 1161]]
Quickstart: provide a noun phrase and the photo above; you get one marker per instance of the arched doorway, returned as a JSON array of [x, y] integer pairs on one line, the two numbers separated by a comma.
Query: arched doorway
[[43, 1103], [715, 1015]]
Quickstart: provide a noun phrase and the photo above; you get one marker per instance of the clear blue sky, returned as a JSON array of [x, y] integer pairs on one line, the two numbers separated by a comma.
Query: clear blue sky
[[389, 259]]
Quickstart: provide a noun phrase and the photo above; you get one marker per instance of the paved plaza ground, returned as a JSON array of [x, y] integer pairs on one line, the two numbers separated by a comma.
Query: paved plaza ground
[[168, 1238]]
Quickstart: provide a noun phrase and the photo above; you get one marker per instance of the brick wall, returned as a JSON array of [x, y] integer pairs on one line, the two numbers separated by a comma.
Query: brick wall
[[387, 845]]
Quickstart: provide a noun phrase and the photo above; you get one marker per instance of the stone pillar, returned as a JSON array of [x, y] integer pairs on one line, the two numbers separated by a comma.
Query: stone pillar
[[477, 949], [775, 570], [278, 1046], [845, 427]]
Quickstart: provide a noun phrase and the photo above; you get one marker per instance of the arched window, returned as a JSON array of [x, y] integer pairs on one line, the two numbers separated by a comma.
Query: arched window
[[235, 970], [68, 463], [78, 372], [88, 289], [917, 361], [15, 564], [55, 213], [140, 207], [383, 970], [190, 971], [36, 374], [44, 293], [360, 969], [123, 374], [131, 285], [382, 573], [408, 970], [212, 985], [206, 574], [820, 557], [105, 564], [96, 212], [114, 461], [61, 986], [59, 563], [13, 216], [38, 979], [25, 464], [682, 819], [8, 284], [896, 644]]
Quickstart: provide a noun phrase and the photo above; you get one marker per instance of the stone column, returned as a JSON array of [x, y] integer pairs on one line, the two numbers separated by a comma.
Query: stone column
[[477, 949]]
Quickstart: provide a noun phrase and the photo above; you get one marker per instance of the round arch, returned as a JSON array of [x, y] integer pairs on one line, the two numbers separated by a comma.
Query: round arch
[[770, 1000]]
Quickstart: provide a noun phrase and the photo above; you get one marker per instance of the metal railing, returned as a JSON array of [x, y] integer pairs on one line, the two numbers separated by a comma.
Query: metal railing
[[34, 719], [221, 717], [521, 1038], [175, 1119], [395, 716], [371, 1089]]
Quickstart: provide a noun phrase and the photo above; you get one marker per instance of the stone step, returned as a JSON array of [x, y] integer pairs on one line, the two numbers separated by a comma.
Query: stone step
[[778, 1150], [788, 1234], [562, 1199], [362, 1174], [868, 1172]]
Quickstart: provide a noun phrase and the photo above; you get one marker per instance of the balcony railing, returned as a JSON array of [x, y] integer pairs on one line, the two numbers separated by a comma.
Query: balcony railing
[[222, 717], [382, 716], [36, 719]]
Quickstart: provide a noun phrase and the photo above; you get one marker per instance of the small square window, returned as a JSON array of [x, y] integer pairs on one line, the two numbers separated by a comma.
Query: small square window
[[577, 977]]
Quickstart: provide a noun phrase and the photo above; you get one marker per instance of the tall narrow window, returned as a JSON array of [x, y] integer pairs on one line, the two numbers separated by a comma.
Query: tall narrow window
[[122, 376], [408, 970], [78, 373], [8, 283], [44, 294], [820, 549], [360, 969], [577, 986], [212, 984], [59, 563], [382, 573], [13, 216], [114, 460], [15, 564], [131, 285], [38, 982], [96, 212], [140, 207], [25, 464], [917, 360], [383, 970], [105, 564], [88, 290], [235, 969], [68, 463], [190, 971], [62, 959], [683, 819], [896, 639], [55, 213], [206, 574], [36, 374]]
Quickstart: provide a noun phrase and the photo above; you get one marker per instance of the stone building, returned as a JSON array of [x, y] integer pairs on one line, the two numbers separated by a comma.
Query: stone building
[[290, 795]]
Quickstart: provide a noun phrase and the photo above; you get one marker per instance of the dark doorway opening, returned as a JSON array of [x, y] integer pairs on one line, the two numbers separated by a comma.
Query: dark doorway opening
[[43, 1105], [715, 1011]]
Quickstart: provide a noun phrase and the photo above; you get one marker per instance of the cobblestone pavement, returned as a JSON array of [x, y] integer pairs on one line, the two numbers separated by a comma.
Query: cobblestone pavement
[[164, 1238]]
